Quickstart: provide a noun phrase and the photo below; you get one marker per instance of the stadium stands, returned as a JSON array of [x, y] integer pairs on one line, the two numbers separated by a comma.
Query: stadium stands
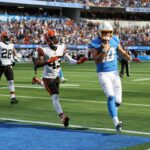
[[33, 23], [113, 3], [32, 31]]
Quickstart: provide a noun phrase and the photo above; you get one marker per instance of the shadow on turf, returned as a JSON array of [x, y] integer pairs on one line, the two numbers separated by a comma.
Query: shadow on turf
[[13, 124]]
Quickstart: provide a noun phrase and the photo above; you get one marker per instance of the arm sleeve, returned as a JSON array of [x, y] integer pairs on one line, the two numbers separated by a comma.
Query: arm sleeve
[[69, 59]]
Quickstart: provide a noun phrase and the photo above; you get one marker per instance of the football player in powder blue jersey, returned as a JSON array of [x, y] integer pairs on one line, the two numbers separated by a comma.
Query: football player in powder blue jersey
[[104, 49]]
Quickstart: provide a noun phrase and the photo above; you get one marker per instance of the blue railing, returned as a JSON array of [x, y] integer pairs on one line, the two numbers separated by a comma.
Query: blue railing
[[82, 47]]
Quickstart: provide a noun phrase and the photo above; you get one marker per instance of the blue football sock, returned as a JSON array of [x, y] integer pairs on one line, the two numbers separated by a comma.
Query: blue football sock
[[111, 106], [60, 73]]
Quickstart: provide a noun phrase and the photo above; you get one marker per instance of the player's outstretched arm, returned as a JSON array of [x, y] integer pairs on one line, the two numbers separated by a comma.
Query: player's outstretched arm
[[124, 53], [127, 56], [40, 62], [73, 61], [82, 60]]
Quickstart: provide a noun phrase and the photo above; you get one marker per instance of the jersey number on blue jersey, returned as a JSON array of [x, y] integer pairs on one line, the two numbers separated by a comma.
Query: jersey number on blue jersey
[[110, 55]]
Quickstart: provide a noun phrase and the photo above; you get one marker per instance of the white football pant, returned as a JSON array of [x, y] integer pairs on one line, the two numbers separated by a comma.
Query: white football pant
[[111, 84]]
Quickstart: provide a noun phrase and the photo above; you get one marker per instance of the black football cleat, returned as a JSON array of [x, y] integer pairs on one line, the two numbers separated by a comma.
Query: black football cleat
[[119, 127], [34, 80], [65, 120], [121, 75], [14, 101]]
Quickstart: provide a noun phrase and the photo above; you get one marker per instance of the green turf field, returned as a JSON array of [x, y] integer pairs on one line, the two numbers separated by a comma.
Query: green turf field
[[81, 98]]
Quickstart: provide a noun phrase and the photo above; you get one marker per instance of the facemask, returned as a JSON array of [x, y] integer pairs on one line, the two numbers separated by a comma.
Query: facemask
[[106, 38], [6, 39]]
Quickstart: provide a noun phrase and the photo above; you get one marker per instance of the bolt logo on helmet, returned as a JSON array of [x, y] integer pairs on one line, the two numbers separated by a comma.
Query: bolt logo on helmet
[[105, 31], [51, 39], [4, 37]]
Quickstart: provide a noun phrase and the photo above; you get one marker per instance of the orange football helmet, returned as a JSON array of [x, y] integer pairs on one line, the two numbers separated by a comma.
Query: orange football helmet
[[4, 33], [51, 39], [4, 37], [51, 32]]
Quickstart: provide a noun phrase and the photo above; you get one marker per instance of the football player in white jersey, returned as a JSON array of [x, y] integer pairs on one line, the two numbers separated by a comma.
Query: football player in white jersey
[[49, 57], [35, 80], [104, 51], [6, 53]]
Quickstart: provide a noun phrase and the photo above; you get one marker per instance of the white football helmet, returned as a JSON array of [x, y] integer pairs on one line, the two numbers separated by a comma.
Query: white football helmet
[[103, 29]]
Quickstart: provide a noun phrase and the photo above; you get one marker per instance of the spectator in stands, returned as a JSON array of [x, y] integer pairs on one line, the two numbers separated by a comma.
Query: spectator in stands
[[32, 31]]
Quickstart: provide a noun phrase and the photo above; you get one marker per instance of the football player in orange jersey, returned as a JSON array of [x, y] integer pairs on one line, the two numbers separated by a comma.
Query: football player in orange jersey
[[49, 57]]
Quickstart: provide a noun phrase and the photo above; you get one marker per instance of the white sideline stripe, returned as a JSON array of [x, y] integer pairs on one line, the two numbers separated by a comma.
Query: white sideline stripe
[[73, 126], [141, 79], [76, 100]]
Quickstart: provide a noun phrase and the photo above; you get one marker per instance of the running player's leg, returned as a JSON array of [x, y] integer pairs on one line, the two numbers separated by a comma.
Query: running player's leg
[[117, 87], [10, 78], [52, 86], [105, 80]]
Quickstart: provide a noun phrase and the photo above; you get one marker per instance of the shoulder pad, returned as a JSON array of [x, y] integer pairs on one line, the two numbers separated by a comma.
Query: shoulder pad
[[95, 43], [116, 39]]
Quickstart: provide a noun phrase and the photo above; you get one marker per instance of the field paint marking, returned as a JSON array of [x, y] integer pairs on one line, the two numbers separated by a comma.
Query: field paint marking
[[3, 88], [141, 79], [73, 126], [123, 82], [69, 86], [40, 87], [76, 100]]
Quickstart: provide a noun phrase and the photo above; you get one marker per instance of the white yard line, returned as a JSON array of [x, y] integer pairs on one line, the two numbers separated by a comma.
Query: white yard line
[[141, 79], [39, 87], [76, 100], [73, 126], [76, 87], [70, 86]]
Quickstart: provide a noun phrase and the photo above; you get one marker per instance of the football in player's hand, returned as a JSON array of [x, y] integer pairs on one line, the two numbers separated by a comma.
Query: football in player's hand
[[136, 60]]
